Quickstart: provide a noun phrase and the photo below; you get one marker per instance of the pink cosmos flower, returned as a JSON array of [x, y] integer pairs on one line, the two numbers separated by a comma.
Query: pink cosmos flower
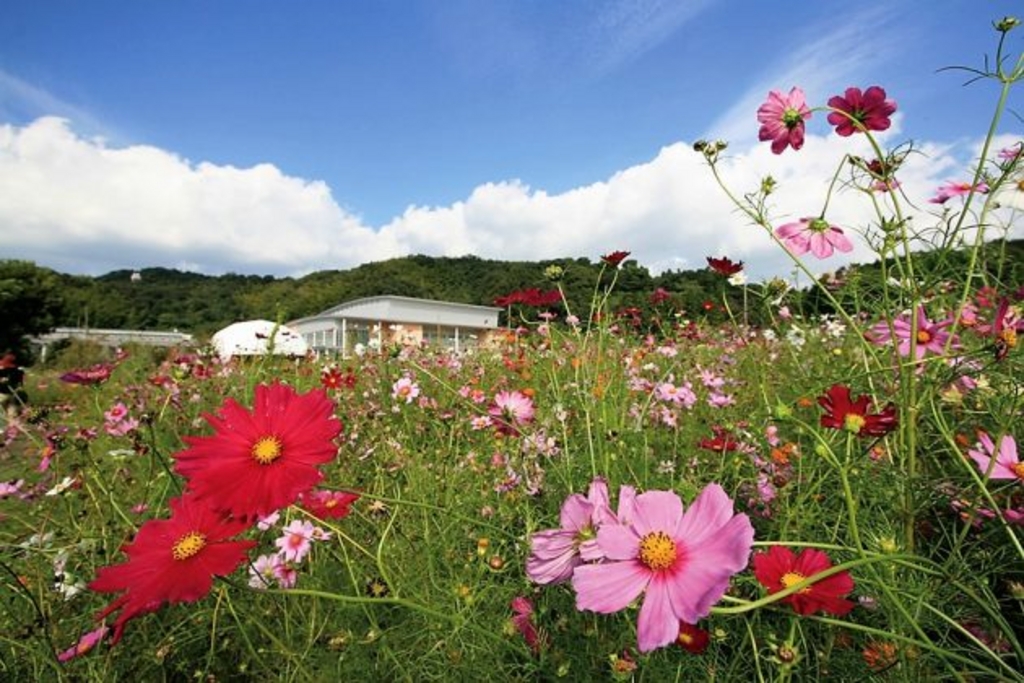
[[297, 540], [510, 410], [681, 561], [1007, 463], [782, 119], [555, 553], [931, 336], [670, 393], [84, 644], [951, 189], [815, 235], [856, 112], [405, 389], [261, 571]]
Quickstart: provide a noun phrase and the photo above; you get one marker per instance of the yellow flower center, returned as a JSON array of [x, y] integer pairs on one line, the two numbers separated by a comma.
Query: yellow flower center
[[853, 423], [685, 638], [791, 579], [266, 450], [188, 545], [657, 550], [1018, 469], [1009, 336], [1020, 185], [923, 336]]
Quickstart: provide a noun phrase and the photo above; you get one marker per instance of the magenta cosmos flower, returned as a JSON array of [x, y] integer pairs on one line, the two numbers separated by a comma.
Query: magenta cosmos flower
[[856, 112], [815, 235], [555, 553], [930, 336], [1007, 465], [681, 561], [782, 119]]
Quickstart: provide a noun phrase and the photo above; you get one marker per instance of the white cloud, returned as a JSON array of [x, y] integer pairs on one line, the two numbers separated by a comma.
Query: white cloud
[[80, 205]]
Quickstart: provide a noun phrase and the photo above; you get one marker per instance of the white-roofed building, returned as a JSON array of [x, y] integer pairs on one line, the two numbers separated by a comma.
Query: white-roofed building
[[378, 321]]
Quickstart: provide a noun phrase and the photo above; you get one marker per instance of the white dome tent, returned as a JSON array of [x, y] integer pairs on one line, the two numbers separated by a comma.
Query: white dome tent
[[257, 338]]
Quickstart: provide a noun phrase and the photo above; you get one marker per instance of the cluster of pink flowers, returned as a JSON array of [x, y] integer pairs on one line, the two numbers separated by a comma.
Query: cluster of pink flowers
[[783, 122], [681, 560], [117, 421]]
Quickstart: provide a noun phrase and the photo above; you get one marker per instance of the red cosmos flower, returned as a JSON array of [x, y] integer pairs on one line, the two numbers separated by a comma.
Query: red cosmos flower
[[724, 266], [692, 639], [171, 560], [721, 443], [334, 378], [261, 461], [326, 504], [844, 412], [97, 374], [615, 258], [780, 568], [659, 296], [856, 112]]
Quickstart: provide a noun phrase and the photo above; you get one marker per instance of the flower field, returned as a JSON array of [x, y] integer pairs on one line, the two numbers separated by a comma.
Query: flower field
[[596, 495]]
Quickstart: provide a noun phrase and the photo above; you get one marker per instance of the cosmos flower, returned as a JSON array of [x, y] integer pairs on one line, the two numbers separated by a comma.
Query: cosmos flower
[[405, 389], [523, 622], [615, 258], [951, 189], [724, 265], [1007, 462], [779, 568], [692, 639], [171, 560], [782, 119], [815, 235], [681, 561], [511, 410], [325, 504], [930, 336], [261, 461], [555, 553], [856, 112], [844, 412], [97, 374], [84, 645], [1011, 195]]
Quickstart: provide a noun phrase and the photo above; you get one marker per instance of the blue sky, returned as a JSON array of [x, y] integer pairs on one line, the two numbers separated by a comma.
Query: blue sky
[[257, 136]]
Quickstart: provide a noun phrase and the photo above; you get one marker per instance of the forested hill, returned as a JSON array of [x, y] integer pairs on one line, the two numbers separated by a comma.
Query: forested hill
[[169, 299], [165, 299]]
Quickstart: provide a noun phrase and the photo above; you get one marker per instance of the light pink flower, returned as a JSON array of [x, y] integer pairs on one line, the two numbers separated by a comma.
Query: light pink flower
[[261, 571], [681, 561], [951, 189], [297, 540], [1007, 463], [815, 235], [782, 119], [555, 553], [670, 393], [405, 389], [511, 410]]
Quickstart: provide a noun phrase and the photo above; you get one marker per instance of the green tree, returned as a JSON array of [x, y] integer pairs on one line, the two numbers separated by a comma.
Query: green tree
[[30, 303]]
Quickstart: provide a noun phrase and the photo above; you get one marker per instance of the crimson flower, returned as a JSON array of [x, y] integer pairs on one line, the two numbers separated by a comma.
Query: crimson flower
[[334, 378], [782, 119], [615, 258], [325, 504], [724, 266], [692, 639], [523, 622], [659, 296], [780, 568], [845, 412], [856, 112], [171, 560], [260, 461], [723, 441]]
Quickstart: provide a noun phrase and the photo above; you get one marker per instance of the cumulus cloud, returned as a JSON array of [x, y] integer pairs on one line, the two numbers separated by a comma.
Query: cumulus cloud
[[79, 205]]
